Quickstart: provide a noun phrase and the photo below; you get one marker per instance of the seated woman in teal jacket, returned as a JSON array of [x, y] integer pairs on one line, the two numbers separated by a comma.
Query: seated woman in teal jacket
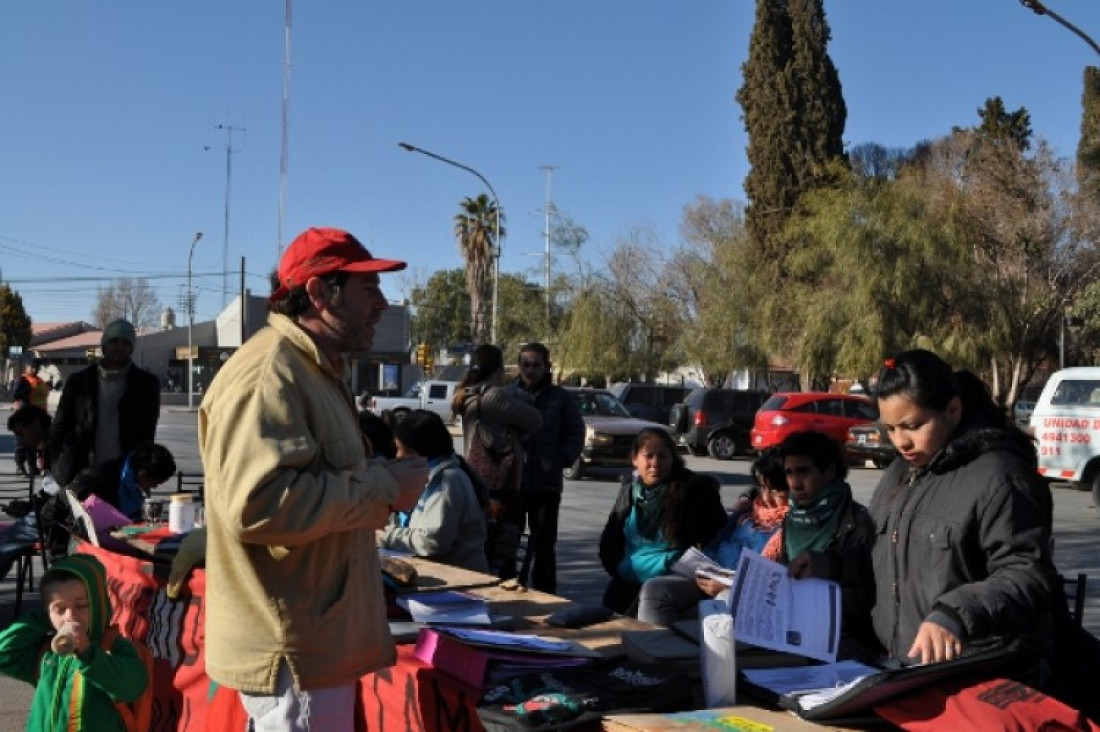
[[756, 523], [662, 509]]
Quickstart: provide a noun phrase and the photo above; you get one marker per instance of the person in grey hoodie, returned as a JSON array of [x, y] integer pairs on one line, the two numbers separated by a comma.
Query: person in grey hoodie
[[448, 523]]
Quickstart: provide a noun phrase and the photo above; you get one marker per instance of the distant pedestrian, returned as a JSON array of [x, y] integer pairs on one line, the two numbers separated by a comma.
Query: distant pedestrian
[[106, 410], [554, 446], [29, 389], [496, 421]]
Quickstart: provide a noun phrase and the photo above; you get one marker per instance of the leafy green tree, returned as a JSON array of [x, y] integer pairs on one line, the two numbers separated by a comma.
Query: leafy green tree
[[821, 111], [707, 282], [594, 340], [441, 308], [766, 98], [877, 272], [794, 114], [475, 229], [1088, 149], [15, 324], [1021, 253]]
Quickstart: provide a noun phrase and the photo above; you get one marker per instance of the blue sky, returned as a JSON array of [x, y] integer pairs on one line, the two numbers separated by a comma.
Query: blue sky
[[111, 160]]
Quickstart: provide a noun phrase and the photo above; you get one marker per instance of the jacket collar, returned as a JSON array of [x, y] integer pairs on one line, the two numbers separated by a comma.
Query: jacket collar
[[301, 340]]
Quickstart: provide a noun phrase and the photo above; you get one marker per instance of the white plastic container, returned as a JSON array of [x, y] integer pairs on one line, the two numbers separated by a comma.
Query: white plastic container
[[181, 514]]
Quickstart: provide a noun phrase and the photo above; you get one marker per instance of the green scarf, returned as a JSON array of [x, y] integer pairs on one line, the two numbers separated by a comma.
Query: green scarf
[[649, 508], [814, 526]]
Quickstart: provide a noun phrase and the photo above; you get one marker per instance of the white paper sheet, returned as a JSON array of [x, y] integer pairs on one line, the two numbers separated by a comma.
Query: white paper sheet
[[693, 560], [446, 607], [773, 611]]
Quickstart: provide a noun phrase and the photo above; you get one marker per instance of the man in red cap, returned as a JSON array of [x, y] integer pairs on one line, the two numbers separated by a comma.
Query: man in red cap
[[295, 611]]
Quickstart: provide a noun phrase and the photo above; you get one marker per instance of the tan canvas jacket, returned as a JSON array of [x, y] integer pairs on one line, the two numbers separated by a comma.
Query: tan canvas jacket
[[292, 569]]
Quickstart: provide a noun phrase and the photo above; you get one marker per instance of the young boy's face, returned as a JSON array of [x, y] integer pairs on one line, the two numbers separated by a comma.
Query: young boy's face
[[68, 602]]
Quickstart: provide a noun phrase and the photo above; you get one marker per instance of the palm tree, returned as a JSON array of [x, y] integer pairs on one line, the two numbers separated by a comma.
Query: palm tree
[[476, 231]]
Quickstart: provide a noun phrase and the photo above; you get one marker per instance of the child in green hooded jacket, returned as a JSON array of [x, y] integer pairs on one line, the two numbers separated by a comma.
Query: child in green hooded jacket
[[75, 687]]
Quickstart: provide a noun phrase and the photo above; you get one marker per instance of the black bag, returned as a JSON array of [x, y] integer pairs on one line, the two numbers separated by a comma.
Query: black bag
[[577, 698]]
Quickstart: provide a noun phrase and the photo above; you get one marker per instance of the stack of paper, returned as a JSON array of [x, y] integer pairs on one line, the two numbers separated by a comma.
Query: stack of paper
[[811, 685], [446, 608]]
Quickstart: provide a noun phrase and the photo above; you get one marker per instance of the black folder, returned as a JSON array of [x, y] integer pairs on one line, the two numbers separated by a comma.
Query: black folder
[[859, 700]]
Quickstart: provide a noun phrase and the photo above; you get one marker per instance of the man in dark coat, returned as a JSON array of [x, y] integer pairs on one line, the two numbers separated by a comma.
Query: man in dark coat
[[550, 449], [106, 410]]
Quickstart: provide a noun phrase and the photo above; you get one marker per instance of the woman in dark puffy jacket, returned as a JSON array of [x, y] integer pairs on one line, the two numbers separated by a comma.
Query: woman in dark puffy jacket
[[662, 509], [961, 558]]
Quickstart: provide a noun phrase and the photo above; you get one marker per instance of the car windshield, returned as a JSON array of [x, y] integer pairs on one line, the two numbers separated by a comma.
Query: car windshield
[[600, 403]]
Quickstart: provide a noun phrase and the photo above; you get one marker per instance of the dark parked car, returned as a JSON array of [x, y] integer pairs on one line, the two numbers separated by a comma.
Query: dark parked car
[[716, 421], [650, 401], [609, 431], [870, 442]]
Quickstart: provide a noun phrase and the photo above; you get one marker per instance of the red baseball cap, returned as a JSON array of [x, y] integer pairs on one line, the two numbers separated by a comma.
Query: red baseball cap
[[321, 251]]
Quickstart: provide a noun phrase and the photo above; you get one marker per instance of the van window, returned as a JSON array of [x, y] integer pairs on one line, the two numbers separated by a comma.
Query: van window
[[1077, 392]]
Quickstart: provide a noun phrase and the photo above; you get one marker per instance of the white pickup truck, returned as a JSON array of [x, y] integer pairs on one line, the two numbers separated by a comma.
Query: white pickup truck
[[432, 395]]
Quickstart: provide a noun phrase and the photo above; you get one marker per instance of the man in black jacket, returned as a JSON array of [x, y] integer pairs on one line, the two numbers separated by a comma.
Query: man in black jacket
[[550, 449], [106, 410]]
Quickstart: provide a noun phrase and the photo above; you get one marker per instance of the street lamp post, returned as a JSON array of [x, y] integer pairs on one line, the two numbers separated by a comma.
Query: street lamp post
[[190, 325], [496, 226]]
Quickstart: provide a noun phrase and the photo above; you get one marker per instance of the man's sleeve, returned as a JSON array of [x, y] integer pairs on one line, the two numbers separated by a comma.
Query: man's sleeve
[[276, 486]]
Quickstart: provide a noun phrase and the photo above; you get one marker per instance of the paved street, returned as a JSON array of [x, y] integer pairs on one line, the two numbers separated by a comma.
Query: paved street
[[585, 507]]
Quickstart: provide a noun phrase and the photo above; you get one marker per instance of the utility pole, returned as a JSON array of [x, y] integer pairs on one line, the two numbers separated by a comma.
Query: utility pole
[[229, 130], [548, 257]]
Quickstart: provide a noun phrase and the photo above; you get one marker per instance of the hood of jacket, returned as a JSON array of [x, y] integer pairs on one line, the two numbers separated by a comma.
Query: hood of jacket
[[91, 572], [977, 438]]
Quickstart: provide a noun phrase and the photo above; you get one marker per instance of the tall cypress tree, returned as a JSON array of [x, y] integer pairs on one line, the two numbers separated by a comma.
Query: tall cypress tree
[[821, 112], [1088, 149], [793, 111]]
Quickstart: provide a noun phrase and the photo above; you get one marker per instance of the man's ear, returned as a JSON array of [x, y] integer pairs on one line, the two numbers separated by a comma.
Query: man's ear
[[317, 291]]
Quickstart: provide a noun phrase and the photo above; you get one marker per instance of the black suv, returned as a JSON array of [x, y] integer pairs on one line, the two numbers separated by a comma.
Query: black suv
[[717, 421], [650, 401]]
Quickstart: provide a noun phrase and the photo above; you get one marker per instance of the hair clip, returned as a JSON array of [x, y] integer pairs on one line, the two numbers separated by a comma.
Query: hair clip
[[890, 363]]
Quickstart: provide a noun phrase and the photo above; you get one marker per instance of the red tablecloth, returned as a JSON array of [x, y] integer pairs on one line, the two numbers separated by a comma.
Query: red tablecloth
[[411, 696]]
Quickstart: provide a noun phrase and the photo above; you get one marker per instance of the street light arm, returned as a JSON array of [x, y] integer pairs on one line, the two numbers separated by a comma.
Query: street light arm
[[448, 161], [1038, 8], [496, 224]]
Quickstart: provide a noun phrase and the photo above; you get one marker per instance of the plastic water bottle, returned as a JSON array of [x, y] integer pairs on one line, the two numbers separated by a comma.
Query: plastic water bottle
[[181, 514]]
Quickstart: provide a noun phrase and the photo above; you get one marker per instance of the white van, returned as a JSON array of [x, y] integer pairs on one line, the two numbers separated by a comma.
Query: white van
[[1066, 426]]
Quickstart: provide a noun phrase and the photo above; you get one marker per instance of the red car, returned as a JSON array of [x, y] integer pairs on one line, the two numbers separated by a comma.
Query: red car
[[813, 411]]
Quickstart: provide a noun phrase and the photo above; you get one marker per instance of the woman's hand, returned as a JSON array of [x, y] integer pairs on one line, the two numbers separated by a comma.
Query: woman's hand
[[710, 587], [809, 564], [934, 643]]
